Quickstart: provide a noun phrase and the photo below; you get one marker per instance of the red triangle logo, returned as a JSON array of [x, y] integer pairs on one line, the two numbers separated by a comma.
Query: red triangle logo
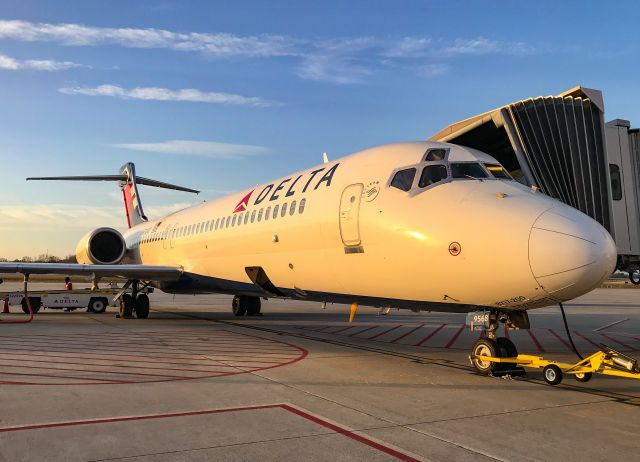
[[244, 202]]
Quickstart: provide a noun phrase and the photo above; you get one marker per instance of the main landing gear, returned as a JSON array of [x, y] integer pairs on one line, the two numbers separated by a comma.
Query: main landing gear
[[497, 347], [245, 304], [135, 303]]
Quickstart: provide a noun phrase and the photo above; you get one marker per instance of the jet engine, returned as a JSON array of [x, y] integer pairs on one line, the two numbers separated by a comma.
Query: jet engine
[[103, 246]]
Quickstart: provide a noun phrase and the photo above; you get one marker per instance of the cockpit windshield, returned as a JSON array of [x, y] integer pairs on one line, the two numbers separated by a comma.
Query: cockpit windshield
[[436, 169], [468, 171], [498, 171], [432, 174]]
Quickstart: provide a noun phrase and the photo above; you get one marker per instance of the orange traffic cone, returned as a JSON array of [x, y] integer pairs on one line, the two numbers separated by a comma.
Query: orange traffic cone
[[6, 305]]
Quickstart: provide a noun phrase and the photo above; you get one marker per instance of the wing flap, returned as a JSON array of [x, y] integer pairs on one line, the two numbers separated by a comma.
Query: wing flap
[[143, 272]]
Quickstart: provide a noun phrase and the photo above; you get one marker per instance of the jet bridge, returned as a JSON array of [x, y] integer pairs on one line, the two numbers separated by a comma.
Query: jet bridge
[[561, 145]]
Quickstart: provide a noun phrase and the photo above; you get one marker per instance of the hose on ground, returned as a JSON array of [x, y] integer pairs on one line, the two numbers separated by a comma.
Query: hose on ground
[[566, 327]]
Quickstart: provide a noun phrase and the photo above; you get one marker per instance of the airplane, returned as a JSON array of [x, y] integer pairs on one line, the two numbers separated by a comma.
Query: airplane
[[416, 225]]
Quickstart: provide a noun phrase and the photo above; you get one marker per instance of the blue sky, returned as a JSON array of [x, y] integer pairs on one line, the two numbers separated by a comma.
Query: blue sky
[[221, 96]]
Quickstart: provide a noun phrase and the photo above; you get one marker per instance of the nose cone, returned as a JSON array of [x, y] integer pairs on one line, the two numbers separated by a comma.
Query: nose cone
[[570, 254]]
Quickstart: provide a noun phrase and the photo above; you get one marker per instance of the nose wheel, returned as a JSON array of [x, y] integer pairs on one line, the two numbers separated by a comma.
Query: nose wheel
[[500, 347], [492, 346]]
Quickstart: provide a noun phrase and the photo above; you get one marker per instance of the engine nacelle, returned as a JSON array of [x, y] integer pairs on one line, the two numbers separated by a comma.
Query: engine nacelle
[[103, 246]]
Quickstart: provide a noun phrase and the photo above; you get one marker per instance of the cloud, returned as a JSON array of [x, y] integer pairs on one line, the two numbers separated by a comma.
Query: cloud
[[165, 94], [420, 47], [216, 44], [433, 70], [339, 70], [408, 47], [211, 149], [9, 63], [338, 61]]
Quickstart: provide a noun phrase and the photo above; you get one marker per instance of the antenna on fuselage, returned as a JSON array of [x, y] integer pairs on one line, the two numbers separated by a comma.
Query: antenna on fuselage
[[325, 158]]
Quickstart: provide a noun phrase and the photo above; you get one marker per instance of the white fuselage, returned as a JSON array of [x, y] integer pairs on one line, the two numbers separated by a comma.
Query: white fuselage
[[451, 246]]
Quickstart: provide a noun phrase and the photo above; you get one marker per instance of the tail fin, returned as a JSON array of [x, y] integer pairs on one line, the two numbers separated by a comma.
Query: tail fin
[[129, 185]]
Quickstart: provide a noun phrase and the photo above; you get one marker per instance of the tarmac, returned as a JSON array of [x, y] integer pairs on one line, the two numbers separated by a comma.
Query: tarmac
[[193, 382]]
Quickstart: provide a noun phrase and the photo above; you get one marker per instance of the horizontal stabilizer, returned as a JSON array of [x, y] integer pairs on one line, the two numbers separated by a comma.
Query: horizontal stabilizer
[[122, 178]]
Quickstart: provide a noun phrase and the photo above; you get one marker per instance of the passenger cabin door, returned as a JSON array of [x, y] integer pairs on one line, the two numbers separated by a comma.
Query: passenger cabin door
[[350, 214]]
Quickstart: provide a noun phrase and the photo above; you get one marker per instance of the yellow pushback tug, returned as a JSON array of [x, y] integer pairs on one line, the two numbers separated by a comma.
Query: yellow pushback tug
[[607, 361], [499, 356]]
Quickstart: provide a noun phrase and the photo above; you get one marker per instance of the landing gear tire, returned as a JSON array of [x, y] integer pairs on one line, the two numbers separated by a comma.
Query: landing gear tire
[[552, 374], [634, 277], [239, 305], [484, 347], [583, 377], [142, 306], [126, 306], [35, 302], [506, 349], [98, 305], [254, 306]]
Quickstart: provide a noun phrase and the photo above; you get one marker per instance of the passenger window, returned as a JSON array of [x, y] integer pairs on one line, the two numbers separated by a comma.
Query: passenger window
[[260, 215], [233, 222], [239, 219], [246, 218], [253, 216], [467, 171], [284, 210], [432, 174], [275, 211], [292, 209], [403, 179], [217, 223], [302, 203], [616, 182], [435, 154], [267, 213], [227, 223]]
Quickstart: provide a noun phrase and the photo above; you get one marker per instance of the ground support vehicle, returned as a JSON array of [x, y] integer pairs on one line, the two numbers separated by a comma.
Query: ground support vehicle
[[607, 361]]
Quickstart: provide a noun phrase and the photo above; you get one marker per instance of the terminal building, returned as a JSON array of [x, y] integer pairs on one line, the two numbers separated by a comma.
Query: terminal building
[[562, 145]]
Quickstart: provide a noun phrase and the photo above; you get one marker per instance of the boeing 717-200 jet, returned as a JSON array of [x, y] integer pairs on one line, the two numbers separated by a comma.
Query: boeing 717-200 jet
[[418, 225]]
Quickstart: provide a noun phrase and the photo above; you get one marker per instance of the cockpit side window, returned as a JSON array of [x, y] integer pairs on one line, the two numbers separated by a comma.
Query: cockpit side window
[[467, 170], [435, 154], [403, 179], [432, 174], [498, 171]]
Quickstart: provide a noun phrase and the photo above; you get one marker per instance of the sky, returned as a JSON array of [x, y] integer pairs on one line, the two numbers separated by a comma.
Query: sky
[[223, 95]]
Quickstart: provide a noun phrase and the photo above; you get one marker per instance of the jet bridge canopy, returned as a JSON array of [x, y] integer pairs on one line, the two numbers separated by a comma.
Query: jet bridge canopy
[[553, 142]]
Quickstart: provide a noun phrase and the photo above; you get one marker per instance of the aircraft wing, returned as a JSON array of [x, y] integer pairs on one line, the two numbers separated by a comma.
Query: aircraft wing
[[142, 272]]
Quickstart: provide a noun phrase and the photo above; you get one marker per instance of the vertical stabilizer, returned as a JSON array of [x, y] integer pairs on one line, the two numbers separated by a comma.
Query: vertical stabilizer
[[132, 204]]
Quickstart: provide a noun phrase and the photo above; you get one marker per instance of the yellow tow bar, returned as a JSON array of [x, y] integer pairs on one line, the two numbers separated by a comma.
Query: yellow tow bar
[[606, 362]]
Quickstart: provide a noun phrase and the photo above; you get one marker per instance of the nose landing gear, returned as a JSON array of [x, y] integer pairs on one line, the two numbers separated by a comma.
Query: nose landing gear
[[500, 347]]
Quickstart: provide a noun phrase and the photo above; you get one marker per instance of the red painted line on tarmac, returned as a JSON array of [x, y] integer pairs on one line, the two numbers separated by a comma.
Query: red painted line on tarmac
[[28, 361], [455, 337], [363, 331], [350, 434], [438, 329], [408, 333], [190, 357], [384, 332], [188, 351], [617, 341], [291, 409], [564, 342], [587, 339], [66, 377], [535, 341], [158, 349], [341, 330], [68, 369]]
